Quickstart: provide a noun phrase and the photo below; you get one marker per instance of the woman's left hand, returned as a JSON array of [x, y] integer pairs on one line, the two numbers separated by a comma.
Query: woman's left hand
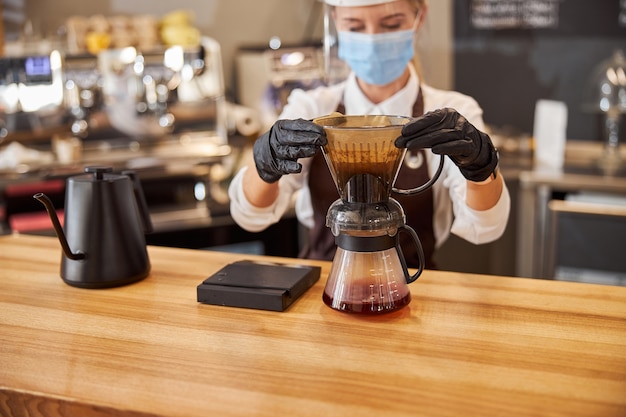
[[447, 132]]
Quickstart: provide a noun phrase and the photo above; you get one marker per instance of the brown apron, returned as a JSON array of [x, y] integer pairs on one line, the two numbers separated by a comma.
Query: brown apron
[[419, 209]]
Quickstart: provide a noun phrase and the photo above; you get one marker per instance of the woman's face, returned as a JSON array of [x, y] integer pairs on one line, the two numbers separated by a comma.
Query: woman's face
[[380, 18]]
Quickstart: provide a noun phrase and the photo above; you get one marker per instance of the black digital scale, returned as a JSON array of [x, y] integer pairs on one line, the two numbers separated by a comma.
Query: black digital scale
[[259, 285]]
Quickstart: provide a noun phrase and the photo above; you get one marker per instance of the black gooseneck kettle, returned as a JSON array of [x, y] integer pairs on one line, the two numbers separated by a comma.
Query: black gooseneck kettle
[[106, 217]]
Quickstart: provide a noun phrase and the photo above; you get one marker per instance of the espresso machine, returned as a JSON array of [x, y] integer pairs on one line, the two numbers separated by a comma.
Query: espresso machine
[[31, 95], [369, 274], [160, 112], [124, 92], [143, 94]]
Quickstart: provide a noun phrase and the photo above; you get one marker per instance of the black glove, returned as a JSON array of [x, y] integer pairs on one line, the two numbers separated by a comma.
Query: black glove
[[276, 151], [449, 133]]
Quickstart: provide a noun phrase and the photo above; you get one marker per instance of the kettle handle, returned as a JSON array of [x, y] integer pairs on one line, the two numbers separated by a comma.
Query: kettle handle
[[142, 205], [420, 253]]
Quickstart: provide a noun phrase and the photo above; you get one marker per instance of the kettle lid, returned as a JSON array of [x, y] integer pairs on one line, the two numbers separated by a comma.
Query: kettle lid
[[98, 174]]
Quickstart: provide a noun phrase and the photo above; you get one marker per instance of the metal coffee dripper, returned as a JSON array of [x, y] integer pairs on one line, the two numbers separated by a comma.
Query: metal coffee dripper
[[369, 274]]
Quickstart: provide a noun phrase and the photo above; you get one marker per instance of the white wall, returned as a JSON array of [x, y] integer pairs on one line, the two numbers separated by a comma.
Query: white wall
[[436, 44]]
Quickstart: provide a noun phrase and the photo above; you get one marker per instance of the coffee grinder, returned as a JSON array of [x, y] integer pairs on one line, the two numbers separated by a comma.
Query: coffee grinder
[[369, 274]]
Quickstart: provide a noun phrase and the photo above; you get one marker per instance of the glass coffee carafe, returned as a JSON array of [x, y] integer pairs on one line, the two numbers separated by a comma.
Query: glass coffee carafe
[[369, 274]]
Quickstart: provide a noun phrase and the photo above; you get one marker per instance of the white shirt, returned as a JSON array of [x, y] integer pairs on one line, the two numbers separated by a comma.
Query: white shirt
[[451, 213]]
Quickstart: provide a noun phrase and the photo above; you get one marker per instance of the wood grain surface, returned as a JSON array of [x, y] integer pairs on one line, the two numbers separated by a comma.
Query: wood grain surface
[[467, 345]]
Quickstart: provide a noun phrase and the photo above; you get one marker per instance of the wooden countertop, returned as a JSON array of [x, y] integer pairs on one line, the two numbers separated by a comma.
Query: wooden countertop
[[467, 345]]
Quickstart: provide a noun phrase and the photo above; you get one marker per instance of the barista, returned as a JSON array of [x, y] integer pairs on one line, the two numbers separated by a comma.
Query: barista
[[376, 39]]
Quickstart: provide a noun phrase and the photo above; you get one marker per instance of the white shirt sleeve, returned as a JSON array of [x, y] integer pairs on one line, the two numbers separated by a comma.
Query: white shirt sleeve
[[256, 219], [301, 104], [450, 190], [480, 226]]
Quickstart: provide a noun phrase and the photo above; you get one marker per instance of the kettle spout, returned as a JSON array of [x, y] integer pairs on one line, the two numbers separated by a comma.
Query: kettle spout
[[43, 199]]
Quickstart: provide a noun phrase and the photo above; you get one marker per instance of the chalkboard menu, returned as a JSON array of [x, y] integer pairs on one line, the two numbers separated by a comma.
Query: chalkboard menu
[[514, 14], [510, 53], [547, 17]]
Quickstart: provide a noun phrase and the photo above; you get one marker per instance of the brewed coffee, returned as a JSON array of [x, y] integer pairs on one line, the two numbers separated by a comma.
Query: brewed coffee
[[367, 282]]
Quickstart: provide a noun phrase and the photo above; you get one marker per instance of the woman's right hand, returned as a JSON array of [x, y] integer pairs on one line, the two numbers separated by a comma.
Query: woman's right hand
[[277, 151]]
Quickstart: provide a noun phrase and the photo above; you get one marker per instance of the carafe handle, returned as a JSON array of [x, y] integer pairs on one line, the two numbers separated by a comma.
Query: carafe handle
[[420, 254], [425, 186]]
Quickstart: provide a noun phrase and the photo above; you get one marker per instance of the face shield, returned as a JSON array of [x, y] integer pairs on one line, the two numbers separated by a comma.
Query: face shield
[[336, 69]]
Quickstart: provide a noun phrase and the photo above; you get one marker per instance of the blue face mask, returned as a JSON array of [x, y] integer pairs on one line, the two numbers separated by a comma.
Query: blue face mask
[[376, 58]]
